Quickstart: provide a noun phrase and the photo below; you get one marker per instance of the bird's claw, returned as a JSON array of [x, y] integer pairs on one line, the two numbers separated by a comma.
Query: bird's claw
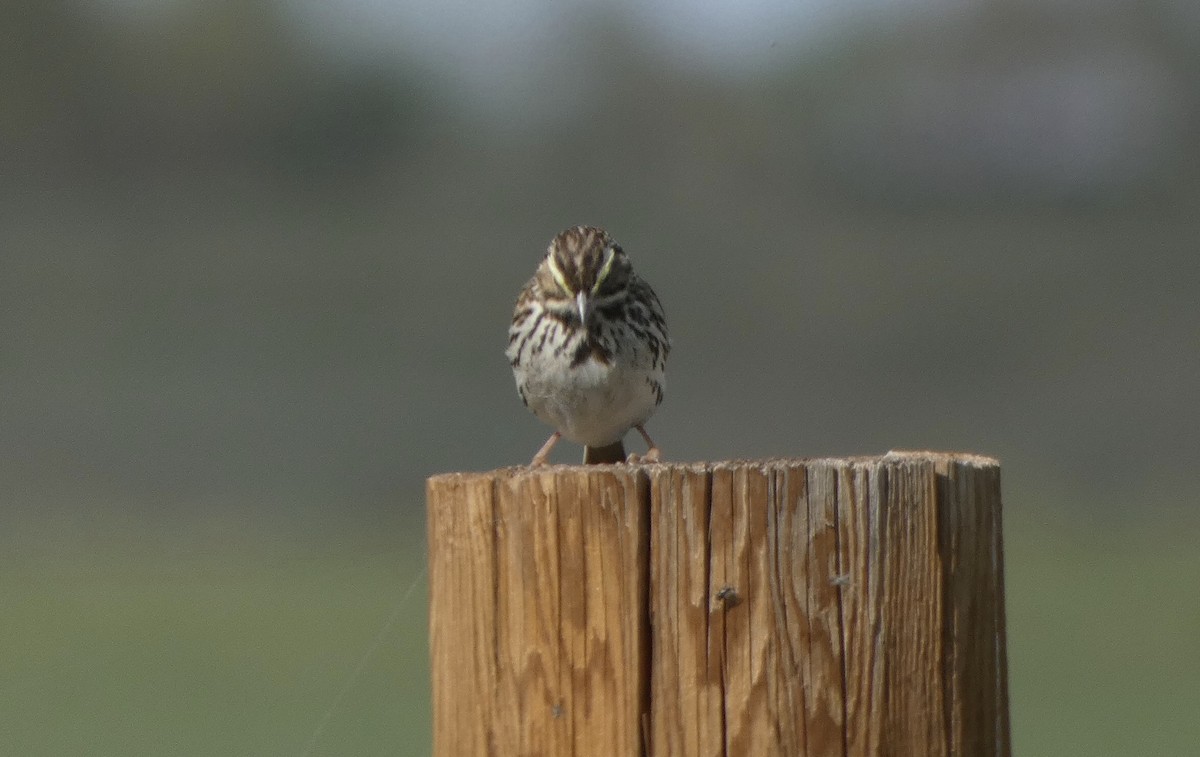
[[649, 457]]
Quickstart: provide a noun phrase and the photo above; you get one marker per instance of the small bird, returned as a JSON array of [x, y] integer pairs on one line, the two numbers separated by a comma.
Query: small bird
[[588, 346]]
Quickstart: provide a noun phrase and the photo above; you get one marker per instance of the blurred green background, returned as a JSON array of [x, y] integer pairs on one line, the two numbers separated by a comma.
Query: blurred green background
[[259, 259]]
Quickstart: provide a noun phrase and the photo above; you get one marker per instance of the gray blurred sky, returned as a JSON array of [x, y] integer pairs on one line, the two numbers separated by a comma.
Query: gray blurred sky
[[492, 32], [479, 45], [507, 56]]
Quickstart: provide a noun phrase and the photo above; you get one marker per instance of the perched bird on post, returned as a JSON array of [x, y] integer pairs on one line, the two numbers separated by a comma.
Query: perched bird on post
[[588, 346]]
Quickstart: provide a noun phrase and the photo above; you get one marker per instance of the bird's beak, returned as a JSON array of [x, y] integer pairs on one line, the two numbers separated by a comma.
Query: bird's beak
[[584, 304]]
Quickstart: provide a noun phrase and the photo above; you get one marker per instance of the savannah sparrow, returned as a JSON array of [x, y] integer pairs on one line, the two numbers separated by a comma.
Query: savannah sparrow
[[588, 346]]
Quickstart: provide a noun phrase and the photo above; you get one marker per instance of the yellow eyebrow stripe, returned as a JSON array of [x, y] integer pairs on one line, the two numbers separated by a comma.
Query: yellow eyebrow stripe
[[608, 264], [557, 274]]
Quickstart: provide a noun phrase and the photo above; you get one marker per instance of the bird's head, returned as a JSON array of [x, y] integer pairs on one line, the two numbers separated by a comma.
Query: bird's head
[[583, 269]]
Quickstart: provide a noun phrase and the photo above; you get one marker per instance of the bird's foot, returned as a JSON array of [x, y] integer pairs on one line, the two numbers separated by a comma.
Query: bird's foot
[[540, 458], [652, 455]]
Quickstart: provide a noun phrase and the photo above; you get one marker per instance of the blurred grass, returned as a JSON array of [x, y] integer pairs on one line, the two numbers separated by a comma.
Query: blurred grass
[[1104, 633], [225, 637], [241, 647]]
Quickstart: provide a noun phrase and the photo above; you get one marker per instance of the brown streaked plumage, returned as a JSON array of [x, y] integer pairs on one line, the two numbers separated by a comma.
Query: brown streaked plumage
[[588, 346]]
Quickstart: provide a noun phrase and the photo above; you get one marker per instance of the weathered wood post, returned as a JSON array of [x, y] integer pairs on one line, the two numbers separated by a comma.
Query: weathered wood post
[[800, 608]]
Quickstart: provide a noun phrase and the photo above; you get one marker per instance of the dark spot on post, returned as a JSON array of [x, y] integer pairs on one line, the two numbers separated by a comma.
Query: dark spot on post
[[729, 597]]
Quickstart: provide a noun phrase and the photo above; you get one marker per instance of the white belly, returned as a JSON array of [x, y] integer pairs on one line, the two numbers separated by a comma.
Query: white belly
[[593, 403]]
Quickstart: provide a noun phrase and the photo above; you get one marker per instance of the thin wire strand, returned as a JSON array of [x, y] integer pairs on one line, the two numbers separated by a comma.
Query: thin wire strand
[[362, 663]]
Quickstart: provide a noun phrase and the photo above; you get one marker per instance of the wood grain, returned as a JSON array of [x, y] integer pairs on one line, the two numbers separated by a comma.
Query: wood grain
[[784, 607], [538, 627]]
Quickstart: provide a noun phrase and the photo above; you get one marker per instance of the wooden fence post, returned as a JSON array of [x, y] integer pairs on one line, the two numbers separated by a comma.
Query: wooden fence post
[[799, 608]]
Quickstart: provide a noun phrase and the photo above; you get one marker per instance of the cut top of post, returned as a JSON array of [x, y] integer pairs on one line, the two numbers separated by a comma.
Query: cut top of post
[[940, 459]]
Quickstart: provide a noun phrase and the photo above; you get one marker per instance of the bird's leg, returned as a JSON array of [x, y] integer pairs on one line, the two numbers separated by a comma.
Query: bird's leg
[[652, 455], [544, 452]]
